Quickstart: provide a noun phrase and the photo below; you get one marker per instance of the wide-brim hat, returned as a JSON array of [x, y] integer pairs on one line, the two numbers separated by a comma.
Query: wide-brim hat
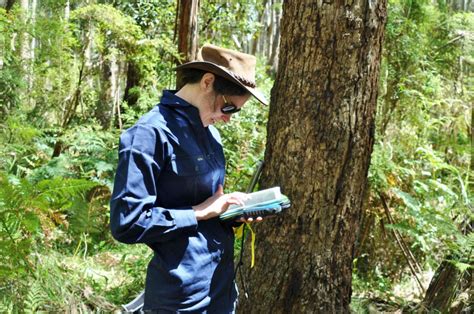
[[232, 65]]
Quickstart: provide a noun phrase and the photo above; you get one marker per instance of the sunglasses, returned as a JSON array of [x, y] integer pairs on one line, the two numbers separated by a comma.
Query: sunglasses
[[229, 108]]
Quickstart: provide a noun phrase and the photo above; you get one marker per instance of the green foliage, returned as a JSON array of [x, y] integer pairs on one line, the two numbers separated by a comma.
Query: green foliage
[[112, 25], [85, 151], [34, 298], [230, 22], [422, 157], [29, 215], [57, 164], [154, 17]]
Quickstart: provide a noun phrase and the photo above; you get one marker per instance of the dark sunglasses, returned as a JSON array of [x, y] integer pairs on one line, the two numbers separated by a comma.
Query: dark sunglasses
[[229, 108]]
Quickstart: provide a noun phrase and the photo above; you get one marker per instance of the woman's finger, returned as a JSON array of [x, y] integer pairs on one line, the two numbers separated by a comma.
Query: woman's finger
[[232, 200], [240, 195]]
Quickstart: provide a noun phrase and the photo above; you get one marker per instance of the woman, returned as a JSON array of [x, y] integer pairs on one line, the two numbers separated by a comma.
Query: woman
[[168, 187]]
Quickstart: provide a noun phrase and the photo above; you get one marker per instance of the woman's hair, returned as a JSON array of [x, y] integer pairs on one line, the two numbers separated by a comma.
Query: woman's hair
[[221, 85]]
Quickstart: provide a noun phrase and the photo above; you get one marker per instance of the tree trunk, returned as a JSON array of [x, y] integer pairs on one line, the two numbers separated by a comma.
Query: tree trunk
[[187, 33], [449, 281], [263, 33], [442, 288], [132, 80], [34, 4], [320, 138], [67, 10], [273, 59], [25, 38], [108, 106], [270, 29], [25, 48], [256, 36], [103, 111]]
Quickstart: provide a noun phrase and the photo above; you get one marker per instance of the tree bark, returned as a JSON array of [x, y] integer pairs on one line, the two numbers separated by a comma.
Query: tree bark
[[187, 33], [442, 288], [320, 138], [449, 281]]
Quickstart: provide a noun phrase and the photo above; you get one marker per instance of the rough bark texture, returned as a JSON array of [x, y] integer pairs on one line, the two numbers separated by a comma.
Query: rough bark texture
[[320, 138], [442, 288], [449, 282]]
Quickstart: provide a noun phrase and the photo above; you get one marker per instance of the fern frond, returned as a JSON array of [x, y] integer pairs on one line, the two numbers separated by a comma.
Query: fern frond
[[6, 306], [58, 190], [34, 298], [13, 192]]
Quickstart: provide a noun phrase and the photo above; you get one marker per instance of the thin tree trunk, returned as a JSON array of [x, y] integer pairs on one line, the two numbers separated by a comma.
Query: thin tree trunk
[[24, 41], [256, 36], [31, 61], [263, 33], [104, 106], [25, 38], [187, 33], [270, 29], [273, 59], [67, 10], [320, 138], [117, 92], [133, 78]]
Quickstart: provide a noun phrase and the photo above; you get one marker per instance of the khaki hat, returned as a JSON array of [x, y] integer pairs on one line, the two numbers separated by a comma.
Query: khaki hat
[[232, 65]]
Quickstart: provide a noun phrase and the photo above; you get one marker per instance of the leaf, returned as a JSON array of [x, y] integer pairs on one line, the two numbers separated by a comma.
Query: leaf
[[462, 266], [30, 221], [102, 167], [443, 187], [407, 199]]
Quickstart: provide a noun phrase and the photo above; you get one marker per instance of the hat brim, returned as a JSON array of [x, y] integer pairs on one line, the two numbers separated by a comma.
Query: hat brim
[[216, 69]]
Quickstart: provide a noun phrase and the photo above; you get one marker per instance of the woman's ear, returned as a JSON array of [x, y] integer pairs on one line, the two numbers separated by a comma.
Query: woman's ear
[[207, 81]]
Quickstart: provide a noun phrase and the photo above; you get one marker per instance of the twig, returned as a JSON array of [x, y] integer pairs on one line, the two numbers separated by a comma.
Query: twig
[[412, 263]]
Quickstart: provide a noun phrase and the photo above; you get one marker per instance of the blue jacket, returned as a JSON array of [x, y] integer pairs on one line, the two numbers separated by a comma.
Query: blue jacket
[[168, 162]]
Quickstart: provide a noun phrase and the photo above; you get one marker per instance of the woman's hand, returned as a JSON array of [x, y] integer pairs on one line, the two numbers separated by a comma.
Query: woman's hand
[[218, 203], [250, 219]]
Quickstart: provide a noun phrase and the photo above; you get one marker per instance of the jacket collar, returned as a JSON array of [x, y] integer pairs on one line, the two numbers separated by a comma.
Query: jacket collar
[[169, 99]]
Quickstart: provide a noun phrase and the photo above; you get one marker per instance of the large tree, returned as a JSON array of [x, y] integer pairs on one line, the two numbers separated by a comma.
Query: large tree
[[320, 138]]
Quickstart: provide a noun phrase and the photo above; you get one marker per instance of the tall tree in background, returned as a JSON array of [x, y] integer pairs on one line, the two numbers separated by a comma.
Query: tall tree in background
[[187, 29], [320, 138]]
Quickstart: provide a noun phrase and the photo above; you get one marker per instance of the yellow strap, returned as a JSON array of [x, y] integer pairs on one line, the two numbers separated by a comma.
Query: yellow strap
[[253, 246], [238, 235]]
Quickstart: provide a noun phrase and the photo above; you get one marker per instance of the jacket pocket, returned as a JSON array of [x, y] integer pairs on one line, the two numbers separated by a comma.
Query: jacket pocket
[[189, 165]]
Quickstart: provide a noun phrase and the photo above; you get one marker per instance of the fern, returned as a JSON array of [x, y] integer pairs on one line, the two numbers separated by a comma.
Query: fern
[[60, 191], [6, 306], [26, 210], [34, 298]]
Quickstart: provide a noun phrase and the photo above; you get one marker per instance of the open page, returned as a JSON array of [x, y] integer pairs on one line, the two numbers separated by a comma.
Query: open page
[[259, 198]]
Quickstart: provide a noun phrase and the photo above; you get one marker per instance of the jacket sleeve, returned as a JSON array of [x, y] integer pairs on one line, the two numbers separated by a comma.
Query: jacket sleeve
[[143, 152]]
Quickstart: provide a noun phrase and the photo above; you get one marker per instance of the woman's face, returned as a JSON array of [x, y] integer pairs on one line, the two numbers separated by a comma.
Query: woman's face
[[214, 113]]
